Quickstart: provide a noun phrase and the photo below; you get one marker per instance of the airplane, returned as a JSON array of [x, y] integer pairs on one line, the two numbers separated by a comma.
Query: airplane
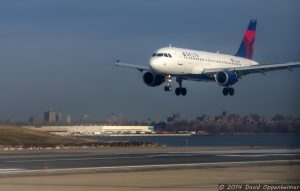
[[186, 64]]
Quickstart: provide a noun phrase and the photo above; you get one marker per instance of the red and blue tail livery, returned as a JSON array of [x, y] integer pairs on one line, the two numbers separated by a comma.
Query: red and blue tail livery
[[247, 45]]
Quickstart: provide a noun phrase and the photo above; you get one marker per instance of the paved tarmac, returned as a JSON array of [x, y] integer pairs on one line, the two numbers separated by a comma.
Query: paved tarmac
[[205, 179], [135, 159]]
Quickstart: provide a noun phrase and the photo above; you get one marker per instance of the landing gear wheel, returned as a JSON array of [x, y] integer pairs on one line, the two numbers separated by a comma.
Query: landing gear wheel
[[167, 88], [225, 91], [231, 91], [183, 91], [180, 91]]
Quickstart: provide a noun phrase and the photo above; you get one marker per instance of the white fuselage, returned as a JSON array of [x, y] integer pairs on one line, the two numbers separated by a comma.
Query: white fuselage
[[178, 61]]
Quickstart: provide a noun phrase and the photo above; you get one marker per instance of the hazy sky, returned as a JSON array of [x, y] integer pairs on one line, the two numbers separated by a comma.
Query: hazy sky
[[61, 53]]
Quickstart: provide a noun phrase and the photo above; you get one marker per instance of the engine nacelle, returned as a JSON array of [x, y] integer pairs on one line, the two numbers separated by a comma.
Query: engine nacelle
[[226, 78], [151, 79]]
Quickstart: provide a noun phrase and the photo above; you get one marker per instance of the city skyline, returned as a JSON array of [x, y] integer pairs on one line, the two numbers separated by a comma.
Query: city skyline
[[52, 116], [62, 53]]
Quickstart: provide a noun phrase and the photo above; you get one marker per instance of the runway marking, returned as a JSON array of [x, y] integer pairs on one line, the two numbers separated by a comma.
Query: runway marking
[[10, 169], [147, 156], [247, 151], [75, 155], [100, 158], [77, 159], [259, 155], [180, 154], [155, 166], [36, 156], [190, 153]]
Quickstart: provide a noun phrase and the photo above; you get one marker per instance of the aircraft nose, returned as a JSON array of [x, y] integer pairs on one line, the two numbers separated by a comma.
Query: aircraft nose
[[153, 64]]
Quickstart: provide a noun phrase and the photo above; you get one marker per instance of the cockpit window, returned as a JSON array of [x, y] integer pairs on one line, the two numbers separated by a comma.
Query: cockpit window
[[162, 54]]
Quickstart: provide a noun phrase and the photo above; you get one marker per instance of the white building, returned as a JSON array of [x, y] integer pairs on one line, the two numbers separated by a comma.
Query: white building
[[127, 129], [97, 129]]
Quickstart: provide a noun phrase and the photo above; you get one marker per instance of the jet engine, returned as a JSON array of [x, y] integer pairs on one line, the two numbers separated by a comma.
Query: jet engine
[[226, 78], [151, 79]]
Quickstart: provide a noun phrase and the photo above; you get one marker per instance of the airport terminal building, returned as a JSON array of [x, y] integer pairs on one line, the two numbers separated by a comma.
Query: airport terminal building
[[97, 129]]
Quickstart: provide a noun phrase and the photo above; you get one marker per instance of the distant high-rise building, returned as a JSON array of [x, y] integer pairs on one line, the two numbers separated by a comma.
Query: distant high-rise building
[[50, 116], [174, 117], [85, 119], [59, 117], [224, 114], [69, 118], [33, 119]]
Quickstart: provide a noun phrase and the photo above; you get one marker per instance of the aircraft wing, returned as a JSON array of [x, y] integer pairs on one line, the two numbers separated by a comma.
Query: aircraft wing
[[261, 68], [138, 67]]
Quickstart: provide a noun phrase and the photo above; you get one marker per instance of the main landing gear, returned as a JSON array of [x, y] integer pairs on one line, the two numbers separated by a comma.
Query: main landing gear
[[228, 90], [178, 91], [181, 91]]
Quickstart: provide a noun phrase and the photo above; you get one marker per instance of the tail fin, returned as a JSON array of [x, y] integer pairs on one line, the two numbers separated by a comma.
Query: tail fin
[[247, 45]]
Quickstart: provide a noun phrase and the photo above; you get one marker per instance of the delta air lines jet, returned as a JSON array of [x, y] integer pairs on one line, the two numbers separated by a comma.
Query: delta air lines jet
[[185, 64]]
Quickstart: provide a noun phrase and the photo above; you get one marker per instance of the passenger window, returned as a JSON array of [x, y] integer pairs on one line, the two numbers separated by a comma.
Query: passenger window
[[165, 55], [153, 55], [170, 55], [160, 54]]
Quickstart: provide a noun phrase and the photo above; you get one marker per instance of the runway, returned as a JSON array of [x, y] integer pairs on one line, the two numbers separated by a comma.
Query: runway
[[75, 161]]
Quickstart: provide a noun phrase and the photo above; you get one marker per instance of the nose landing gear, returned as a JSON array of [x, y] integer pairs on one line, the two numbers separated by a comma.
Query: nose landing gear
[[178, 91], [168, 80]]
